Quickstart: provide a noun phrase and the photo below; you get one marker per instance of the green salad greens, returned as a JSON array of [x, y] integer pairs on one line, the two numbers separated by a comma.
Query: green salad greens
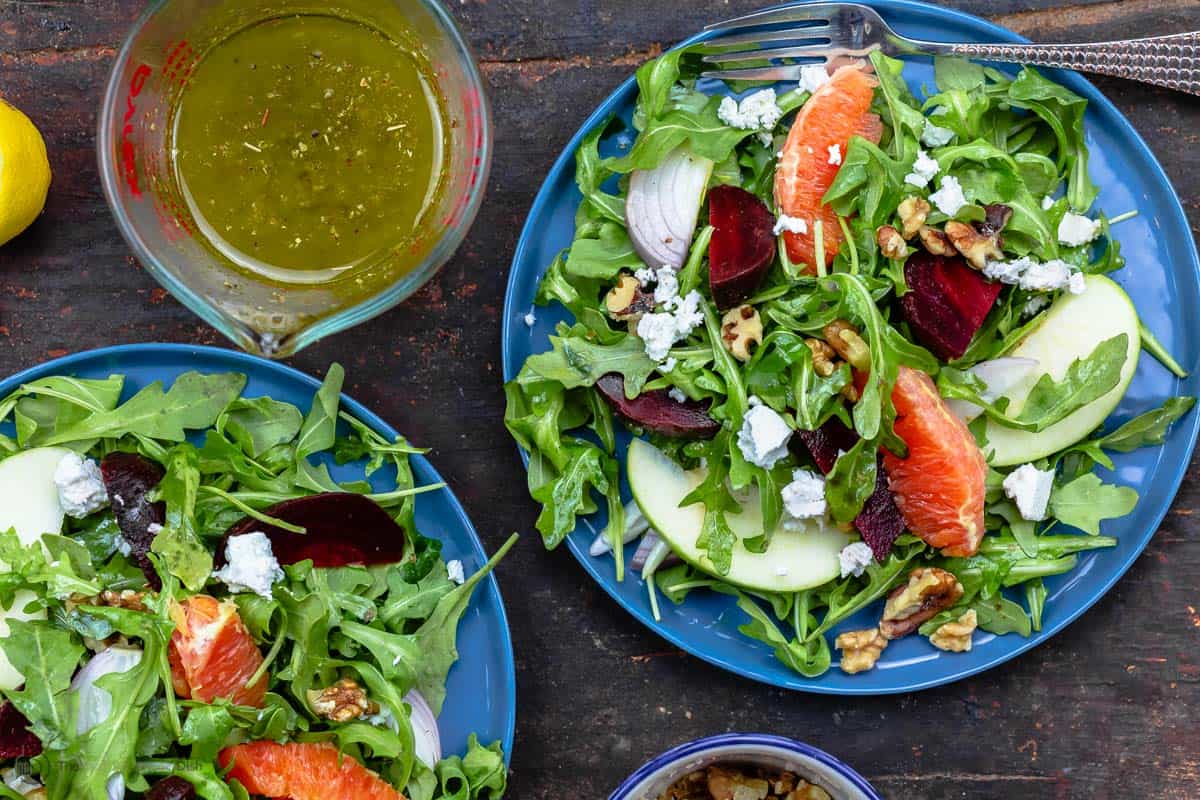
[[896, 390], [145, 655]]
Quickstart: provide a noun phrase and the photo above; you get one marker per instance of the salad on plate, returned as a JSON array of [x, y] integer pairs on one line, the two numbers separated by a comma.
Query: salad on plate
[[192, 607], [866, 342]]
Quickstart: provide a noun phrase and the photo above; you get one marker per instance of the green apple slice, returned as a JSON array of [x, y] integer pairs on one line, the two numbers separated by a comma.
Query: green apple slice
[[795, 560], [1074, 326]]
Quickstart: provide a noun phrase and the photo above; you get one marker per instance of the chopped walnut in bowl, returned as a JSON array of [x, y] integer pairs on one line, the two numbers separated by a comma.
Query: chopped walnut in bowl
[[743, 782]]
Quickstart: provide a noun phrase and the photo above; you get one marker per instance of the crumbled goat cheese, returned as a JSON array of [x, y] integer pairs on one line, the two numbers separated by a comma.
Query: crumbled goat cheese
[[677, 395], [933, 136], [667, 287], [949, 199], [1035, 304], [813, 77], [667, 365], [756, 112], [1029, 487], [763, 437], [657, 332], [681, 315], [1007, 271], [1047, 203], [250, 565], [925, 169], [804, 497], [835, 154], [454, 571], [645, 276], [791, 225], [80, 486], [530, 319], [1076, 229], [855, 558], [1035, 276]]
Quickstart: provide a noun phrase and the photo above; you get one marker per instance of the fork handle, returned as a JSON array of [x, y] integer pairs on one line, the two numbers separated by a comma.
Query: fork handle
[[1171, 61]]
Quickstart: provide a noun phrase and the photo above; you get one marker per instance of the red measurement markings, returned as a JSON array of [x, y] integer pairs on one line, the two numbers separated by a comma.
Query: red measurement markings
[[128, 154]]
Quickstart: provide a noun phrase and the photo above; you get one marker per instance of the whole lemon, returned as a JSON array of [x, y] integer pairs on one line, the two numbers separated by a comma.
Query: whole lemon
[[24, 172]]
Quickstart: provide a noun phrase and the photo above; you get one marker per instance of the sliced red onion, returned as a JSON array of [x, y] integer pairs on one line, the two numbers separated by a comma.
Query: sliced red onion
[[999, 375], [635, 525], [655, 558], [115, 786], [662, 207], [645, 547], [95, 703], [427, 741]]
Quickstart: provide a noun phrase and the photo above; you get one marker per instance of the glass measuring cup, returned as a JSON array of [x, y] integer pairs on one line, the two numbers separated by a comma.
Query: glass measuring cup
[[262, 316]]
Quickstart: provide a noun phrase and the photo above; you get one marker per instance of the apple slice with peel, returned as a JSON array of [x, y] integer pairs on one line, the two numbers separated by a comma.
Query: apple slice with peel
[[1074, 326], [795, 560], [29, 505]]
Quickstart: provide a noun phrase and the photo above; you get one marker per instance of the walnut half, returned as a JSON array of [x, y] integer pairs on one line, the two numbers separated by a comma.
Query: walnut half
[[741, 332], [626, 302], [976, 247], [928, 591], [955, 636], [891, 243], [860, 649], [845, 339], [341, 702]]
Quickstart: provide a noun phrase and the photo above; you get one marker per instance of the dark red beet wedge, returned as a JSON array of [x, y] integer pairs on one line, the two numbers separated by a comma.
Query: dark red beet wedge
[[16, 740], [947, 302], [743, 244], [658, 412], [342, 529], [129, 478], [172, 788], [879, 522]]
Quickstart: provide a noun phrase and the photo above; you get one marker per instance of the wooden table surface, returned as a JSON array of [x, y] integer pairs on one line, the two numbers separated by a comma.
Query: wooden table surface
[[1108, 708]]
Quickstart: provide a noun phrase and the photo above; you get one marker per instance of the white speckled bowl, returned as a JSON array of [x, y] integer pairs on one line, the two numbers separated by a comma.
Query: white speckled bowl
[[773, 752]]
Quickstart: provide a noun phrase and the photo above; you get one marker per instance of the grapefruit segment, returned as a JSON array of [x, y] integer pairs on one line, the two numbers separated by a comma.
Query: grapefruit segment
[[939, 487], [836, 112], [303, 771], [213, 655]]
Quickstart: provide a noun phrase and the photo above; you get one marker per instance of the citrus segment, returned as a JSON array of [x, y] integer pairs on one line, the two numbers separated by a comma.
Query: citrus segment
[[939, 487], [836, 112], [303, 771], [212, 654]]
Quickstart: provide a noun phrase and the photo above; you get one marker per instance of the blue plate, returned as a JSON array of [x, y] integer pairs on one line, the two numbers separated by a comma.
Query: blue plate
[[481, 689], [1162, 279]]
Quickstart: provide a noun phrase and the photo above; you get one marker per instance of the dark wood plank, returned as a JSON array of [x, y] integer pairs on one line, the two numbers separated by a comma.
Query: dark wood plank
[[1107, 707]]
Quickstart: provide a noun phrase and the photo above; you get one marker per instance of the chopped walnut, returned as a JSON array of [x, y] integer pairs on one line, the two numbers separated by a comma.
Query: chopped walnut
[[928, 591], [728, 785], [913, 212], [976, 247], [955, 636], [741, 331], [626, 302], [891, 243], [860, 649], [341, 702], [845, 340], [126, 598], [808, 792], [936, 242], [824, 357]]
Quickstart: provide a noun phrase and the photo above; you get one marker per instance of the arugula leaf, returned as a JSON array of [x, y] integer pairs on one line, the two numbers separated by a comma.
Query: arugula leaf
[[999, 615], [1086, 380], [566, 495], [47, 658], [206, 729], [1085, 501], [179, 541], [576, 361], [319, 430], [259, 424], [810, 658], [201, 775], [852, 481], [1063, 111], [193, 402], [1147, 429], [48, 405]]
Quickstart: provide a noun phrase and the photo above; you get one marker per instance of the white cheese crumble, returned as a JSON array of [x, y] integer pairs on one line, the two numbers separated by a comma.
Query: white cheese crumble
[[250, 565], [454, 571], [813, 77], [855, 558], [677, 395], [924, 168], [667, 365], [764, 435], [1035, 276], [667, 285], [681, 315], [791, 225], [1047, 203], [755, 112], [949, 199], [645, 276], [1029, 487], [530, 319], [835, 154], [1075, 229], [80, 486], [1006, 271], [1035, 304], [933, 136], [804, 497]]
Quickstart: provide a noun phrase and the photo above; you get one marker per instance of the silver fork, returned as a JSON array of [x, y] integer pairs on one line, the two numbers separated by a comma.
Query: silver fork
[[821, 32]]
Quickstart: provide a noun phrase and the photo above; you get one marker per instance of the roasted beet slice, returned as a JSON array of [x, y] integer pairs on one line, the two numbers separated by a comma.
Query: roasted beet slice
[[16, 740], [342, 529], [947, 302], [743, 244], [658, 412], [129, 478], [172, 788], [879, 522]]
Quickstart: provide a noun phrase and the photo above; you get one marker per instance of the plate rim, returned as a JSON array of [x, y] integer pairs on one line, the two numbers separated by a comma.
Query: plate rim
[[359, 410], [1096, 99]]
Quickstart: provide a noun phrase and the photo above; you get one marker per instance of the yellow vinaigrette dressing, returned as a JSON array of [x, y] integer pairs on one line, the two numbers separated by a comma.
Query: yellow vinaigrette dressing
[[308, 148]]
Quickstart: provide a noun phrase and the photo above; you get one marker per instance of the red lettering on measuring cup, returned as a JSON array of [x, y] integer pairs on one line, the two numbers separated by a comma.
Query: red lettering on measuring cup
[[128, 154]]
